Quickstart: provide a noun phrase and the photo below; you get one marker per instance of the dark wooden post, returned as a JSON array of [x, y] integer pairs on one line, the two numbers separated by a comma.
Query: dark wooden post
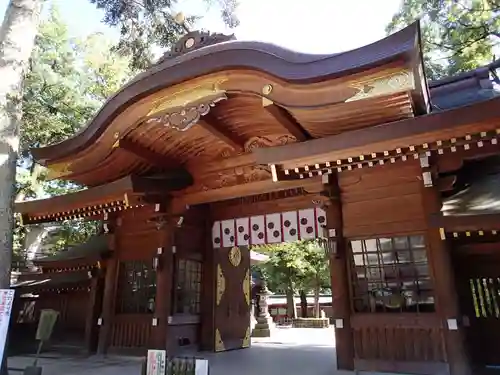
[[164, 274], [340, 278], [207, 332], [108, 303], [447, 305], [92, 314]]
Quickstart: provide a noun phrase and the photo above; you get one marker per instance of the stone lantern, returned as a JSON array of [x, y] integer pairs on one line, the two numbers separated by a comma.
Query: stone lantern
[[265, 323]]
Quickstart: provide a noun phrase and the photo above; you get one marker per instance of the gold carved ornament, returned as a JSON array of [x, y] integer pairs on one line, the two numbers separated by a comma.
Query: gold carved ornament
[[221, 284], [386, 85], [235, 256], [183, 109], [58, 170], [246, 287], [184, 118], [219, 344], [246, 339]]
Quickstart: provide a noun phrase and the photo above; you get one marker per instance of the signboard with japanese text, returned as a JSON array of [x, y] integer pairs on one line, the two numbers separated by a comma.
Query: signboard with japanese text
[[156, 364], [6, 299], [46, 324]]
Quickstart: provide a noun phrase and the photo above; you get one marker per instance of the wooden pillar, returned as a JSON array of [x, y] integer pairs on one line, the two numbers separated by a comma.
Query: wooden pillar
[[108, 303], [339, 263], [92, 314], [164, 274], [447, 305], [207, 332]]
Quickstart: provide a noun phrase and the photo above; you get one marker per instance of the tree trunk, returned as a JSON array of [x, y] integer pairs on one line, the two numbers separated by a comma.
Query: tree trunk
[[317, 289], [291, 310], [17, 38], [303, 303]]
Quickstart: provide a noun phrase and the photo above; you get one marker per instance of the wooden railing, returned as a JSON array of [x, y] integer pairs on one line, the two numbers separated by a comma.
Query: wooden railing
[[131, 331]]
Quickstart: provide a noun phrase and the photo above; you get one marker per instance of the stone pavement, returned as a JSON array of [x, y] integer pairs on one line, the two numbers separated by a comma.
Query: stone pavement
[[289, 351]]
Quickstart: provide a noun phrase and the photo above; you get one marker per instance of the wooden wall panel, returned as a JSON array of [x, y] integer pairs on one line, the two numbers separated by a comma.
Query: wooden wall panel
[[137, 235], [72, 307], [382, 201], [131, 331], [399, 342], [190, 237]]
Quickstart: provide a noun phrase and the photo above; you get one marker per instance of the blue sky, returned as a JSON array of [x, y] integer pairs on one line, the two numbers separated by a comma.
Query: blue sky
[[313, 26]]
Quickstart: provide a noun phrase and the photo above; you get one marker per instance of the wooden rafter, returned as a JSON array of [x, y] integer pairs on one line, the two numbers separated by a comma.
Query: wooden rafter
[[464, 223], [286, 120], [212, 125], [152, 157]]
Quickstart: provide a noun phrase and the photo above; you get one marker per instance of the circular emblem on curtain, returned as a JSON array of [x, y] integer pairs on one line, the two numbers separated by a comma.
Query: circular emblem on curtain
[[235, 256]]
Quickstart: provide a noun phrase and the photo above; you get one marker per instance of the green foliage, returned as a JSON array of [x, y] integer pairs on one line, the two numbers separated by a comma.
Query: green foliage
[[73, 232], [295, 265], [457, 35], [144, 24], [67, 82]]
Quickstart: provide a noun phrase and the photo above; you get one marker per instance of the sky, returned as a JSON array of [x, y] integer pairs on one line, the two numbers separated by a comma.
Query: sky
[[311, 26]]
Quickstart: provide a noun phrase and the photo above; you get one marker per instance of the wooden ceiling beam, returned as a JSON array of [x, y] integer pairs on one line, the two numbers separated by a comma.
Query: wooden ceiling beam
[[285, 119], [210, 123], [142, 152]]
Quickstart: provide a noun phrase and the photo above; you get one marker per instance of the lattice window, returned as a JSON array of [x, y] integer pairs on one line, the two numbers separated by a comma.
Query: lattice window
[[391, 275], [187, 287], [136, 288], [485, 292]]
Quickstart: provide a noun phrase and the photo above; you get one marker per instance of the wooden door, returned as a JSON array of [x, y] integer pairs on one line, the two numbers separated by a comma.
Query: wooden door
[[232, 298], [479, 290]]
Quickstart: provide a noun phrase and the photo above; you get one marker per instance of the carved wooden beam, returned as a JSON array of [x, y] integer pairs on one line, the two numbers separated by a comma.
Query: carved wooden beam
[[286, 120], [204, 166], [152, 157], [210, 123], [222, 211], [252, 188]]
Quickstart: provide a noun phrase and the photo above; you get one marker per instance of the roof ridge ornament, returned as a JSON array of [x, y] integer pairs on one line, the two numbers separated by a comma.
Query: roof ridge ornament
[[195, 40]]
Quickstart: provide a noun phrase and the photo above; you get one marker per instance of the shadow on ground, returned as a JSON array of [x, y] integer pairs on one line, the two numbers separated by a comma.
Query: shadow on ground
[[291, 352]]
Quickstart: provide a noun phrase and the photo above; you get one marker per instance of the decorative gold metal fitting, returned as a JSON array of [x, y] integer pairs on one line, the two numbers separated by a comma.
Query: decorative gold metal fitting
[[267, 89]]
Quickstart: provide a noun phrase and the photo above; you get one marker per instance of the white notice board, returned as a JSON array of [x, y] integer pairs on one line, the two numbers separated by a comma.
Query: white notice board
[[6, 299]]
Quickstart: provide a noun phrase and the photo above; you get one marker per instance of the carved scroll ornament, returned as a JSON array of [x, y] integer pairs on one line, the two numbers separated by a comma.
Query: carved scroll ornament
[[184, 118]]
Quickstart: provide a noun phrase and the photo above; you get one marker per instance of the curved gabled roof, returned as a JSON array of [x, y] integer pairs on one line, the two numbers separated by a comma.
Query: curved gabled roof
[[279, 62], [218, 101]]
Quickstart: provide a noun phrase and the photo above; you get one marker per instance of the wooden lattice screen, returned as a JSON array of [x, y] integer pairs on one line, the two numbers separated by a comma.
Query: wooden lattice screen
[[485, 292]]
